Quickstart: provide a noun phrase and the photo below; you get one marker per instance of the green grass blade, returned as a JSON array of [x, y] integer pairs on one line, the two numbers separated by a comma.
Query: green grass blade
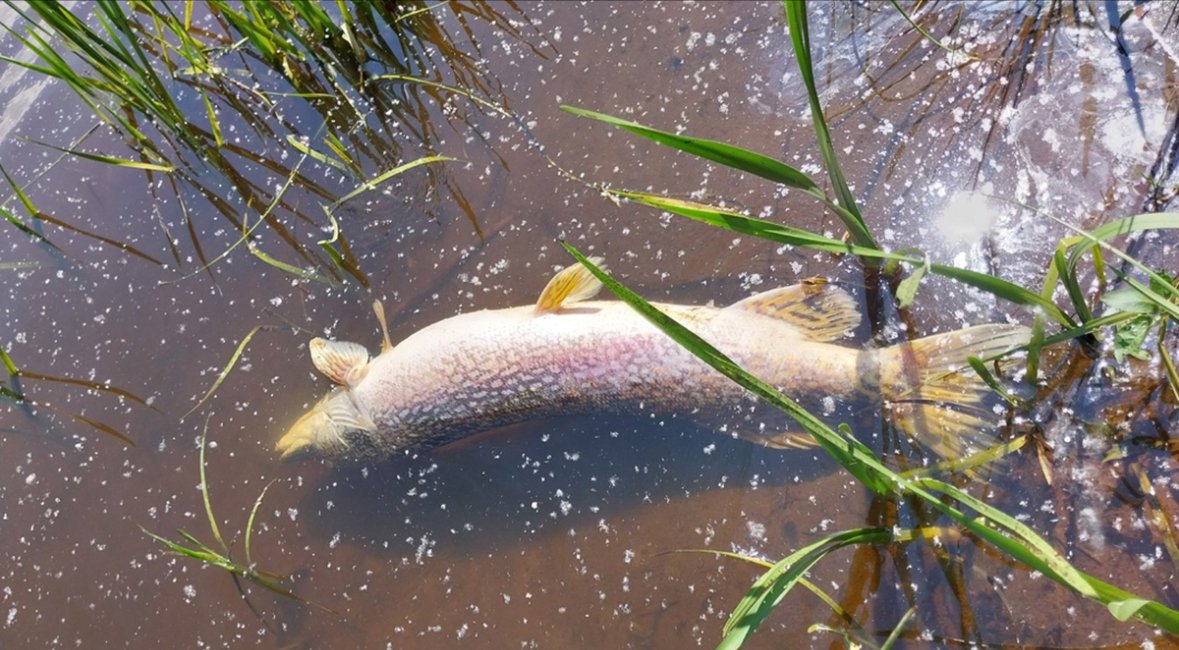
[[800, 36], [740, 223], [224, 373], [1004, 289], [345, 261], [1163, 304], [907, 289], [454, 89], [308, 151], [1125, 226], [1068, 277], [1039, 554], [983, 372], [370, 185], [8, 364], [896, 631], [1088, 328], [205, 491], [1124, 610], [196, 542], [14, 397], [420, 10], [119, 162], [736, 556], [1168, 363], [32, 234], [214, 123], [1026, 546], [769, 590], [960, 465], [20, 194], [839, 611], [1035, 350], [250, 521], [730, 156], [744, 225], [292, 269], [250, 230], [177, 548], [1132, 224]]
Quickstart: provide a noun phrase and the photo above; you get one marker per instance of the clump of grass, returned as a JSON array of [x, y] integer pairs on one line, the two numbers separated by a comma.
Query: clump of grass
[[1142, 309], [127, 63], [222, 556]]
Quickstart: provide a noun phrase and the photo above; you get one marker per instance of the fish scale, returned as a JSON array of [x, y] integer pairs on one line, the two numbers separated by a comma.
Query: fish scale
[[571, 355]]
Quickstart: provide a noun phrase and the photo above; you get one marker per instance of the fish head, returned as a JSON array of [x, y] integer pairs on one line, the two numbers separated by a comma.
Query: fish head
[[337, 428]]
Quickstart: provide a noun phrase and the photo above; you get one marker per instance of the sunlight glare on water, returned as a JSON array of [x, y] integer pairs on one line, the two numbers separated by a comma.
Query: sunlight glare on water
[[967, 218]]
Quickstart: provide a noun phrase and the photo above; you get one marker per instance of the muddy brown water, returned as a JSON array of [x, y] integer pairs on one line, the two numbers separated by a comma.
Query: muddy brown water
[[560, 533]]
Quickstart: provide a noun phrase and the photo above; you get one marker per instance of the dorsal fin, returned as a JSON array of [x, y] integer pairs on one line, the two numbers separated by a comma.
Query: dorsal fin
[[343, 362], [573, 283], [379, 309], [820, 311]]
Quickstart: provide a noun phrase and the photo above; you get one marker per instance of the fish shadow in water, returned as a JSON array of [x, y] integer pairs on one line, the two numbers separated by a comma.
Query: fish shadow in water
[[544, 475]]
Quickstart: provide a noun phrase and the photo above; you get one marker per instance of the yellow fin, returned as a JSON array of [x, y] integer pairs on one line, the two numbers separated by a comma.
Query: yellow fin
[[937, 399], [379, 309], [343, 362], [572, 284], [820, 311]]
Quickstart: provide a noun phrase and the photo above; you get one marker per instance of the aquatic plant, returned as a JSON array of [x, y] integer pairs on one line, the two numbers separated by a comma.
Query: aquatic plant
[[223, 558], [14, 394], [1140, 308], [256, 61], [131, 63]]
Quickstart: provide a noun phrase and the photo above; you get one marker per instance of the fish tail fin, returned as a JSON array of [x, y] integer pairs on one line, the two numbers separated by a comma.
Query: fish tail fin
[[935, 397]]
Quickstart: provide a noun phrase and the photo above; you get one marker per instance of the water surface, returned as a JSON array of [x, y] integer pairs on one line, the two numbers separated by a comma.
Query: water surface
[[558, 533]]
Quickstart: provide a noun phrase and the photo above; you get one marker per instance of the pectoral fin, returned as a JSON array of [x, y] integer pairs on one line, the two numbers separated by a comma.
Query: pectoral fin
[[572, 284], [818, 310], [343, 362]]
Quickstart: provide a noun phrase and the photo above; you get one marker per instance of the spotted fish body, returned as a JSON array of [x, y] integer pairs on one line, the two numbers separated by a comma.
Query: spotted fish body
[[568, 355]]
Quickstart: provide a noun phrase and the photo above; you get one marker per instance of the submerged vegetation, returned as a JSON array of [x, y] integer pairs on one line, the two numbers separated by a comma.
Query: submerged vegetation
[[223, 558], [363, 72]]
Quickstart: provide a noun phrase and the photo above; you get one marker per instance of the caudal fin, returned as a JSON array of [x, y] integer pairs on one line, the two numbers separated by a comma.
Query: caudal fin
[[936, 398]]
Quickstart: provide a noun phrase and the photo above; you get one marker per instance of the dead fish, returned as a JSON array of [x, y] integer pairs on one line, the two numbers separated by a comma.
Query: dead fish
[[568, 354]]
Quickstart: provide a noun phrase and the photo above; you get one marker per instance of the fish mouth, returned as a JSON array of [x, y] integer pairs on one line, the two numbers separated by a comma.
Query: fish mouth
[[295, 445], [299, 441]]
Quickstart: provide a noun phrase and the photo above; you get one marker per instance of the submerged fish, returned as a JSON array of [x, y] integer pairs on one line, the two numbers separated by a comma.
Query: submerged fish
[[568, 354]]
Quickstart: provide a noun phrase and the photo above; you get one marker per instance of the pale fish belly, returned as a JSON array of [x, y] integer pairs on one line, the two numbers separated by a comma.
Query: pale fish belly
[[488, 369]]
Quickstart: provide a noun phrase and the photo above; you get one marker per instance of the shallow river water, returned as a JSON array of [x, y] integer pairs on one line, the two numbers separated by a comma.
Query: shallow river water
[[562, 533]]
